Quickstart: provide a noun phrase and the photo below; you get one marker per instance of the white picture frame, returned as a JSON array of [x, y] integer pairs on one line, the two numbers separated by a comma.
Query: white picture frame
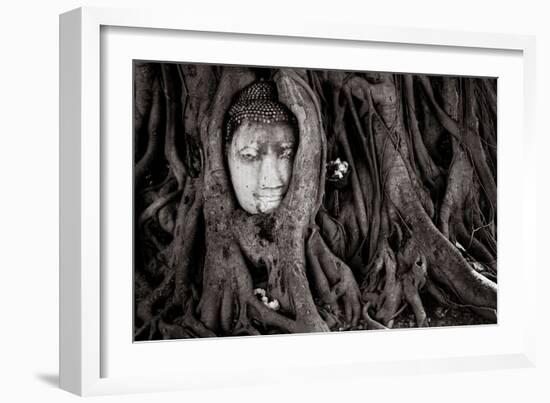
[[88, 313]]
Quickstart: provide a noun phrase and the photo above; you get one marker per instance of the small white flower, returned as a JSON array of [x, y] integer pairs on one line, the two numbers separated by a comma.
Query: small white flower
[[259, 291], [273, 305]]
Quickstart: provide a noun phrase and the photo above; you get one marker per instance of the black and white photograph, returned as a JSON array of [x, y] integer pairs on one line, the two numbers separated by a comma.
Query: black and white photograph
[[274, 200]]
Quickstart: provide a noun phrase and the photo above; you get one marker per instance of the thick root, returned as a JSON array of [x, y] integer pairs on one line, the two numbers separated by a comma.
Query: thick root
[[333, 279]]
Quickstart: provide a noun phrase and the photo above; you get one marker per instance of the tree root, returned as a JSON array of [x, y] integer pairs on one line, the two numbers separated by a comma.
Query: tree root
[[336, 81], [154, 136], [381, 288], [372, 324], [333, 279], [440, 296], [435, 255], [144, 309], [429, 170], [157, 205]]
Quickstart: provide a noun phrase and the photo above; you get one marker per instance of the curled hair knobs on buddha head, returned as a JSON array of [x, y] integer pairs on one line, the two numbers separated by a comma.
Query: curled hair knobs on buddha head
[[257, 102]]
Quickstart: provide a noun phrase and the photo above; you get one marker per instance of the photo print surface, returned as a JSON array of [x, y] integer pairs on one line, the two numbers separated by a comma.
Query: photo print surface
[[281, 200]]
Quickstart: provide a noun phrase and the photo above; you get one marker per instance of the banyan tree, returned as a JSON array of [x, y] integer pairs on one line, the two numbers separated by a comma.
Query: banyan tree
[[278, 200]]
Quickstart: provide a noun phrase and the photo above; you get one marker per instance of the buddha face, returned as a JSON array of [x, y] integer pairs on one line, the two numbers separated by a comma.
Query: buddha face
[[260, 158]]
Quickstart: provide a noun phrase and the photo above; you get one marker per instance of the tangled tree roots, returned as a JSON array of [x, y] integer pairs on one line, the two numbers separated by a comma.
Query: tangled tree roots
[[410, 229]]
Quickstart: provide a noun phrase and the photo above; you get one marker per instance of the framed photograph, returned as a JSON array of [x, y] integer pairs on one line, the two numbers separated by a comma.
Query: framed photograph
[[242, 202]]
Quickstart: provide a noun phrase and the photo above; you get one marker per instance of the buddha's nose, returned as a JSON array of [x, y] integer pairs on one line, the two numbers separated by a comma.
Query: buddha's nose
[[269, 172]]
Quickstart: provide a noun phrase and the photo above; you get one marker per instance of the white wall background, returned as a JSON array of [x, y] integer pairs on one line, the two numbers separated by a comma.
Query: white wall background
[[29, 199]]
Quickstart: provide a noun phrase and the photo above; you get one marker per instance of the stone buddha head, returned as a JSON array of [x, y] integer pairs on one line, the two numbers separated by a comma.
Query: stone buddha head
[[260, 144]]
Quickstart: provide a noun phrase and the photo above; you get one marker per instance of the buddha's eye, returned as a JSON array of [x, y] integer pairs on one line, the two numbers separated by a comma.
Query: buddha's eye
[[249, 155]]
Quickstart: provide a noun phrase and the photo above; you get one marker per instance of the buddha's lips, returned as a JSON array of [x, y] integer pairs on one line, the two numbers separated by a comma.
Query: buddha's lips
[[269, 197]]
